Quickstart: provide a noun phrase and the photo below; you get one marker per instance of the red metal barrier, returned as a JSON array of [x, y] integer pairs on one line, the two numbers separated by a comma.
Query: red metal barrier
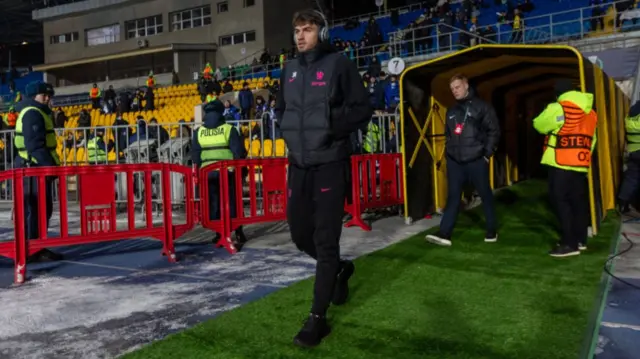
[[97, 199], [373, 188], [266, 182], [266, 185]]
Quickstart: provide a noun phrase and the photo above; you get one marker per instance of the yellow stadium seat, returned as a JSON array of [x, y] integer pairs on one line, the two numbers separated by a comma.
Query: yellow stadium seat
[[267, 148], [280, 148]]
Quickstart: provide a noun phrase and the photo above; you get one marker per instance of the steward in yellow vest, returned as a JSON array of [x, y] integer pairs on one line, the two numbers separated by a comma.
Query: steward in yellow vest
[[570, 128], [35, 143], [218, 141], [631, 181], [97, 149]]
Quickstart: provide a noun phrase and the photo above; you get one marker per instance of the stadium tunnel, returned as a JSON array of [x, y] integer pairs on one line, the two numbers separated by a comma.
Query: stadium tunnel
[[518, 81]]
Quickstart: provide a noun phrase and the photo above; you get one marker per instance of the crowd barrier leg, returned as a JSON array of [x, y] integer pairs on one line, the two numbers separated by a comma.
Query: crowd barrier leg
[[354, 209], [168, 248]]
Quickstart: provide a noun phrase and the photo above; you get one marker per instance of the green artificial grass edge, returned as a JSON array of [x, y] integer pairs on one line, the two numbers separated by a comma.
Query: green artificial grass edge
[[593, 330], [203, 342]]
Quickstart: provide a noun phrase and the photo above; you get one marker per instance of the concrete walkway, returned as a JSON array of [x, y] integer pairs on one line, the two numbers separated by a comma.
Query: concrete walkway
[[620, 327]]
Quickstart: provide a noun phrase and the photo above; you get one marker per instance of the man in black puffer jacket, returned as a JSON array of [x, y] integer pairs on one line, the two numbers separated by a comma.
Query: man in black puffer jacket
[[472, 133], [322, 101]]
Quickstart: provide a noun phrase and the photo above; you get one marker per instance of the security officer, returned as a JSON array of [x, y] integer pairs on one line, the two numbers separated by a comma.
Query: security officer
[[35, 143], [217, 141], [631, 181], [97, 150], [570, 128]]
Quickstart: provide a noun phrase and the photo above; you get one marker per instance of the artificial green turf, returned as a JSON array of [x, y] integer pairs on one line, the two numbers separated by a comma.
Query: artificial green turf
[[415, 300]]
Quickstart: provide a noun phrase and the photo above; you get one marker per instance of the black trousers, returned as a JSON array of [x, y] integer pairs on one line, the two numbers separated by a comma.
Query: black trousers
[[631, 181], [314, 211], [569, 191], [476, 172]]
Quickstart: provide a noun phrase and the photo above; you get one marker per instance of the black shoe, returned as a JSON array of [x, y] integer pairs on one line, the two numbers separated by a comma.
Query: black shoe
[[45, 255], [582, 246], [341, 290], [313, 331], [241, 239], [439, 239], [491, 237], [564, 251], [623, 207]]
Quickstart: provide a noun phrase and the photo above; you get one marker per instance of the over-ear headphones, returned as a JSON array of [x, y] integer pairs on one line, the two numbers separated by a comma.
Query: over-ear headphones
[[323, 30]]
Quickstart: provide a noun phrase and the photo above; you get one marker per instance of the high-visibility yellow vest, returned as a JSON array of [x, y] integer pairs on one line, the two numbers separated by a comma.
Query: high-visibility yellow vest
[[95, 153], [372, 139], [210, 98], [632, 127], [516, 22], [215, 144], [50, 136]]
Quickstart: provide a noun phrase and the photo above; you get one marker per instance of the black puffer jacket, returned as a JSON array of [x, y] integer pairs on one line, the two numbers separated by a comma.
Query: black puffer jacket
[[480, 129], [321, 102]]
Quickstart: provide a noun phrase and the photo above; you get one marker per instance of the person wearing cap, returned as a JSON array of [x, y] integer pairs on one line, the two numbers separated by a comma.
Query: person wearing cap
[[216, 141], [569, 125], [35, 142]]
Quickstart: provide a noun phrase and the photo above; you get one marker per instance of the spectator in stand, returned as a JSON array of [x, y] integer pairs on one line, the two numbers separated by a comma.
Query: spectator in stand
[[60, 118], [95, 95], [84, 119], [157, 132], [141, 131], [373, 32], [374, 67], [122, 134], [227, 87], [149, 99], [217, 76], [245, 100], [231, 113], [392, 94], [97, 149], [124, 102], [597, 14], [270, 122], [527, 6], [207, 73], [261, 106], [518, 27], [110, 98], [151, 81], [376, 93]]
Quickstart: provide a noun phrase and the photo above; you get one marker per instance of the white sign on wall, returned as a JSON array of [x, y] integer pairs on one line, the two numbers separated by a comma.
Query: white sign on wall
[[395, 66]]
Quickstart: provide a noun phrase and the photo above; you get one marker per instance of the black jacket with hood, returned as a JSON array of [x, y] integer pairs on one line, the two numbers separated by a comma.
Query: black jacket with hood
[[321, 102], [480, 129]]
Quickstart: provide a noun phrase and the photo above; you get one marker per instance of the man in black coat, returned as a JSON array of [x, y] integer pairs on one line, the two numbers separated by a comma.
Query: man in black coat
[[472, 131], [322, 101]]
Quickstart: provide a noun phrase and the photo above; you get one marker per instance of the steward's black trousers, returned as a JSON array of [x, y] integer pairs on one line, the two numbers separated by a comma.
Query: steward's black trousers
[[569, 192], [315, 208]]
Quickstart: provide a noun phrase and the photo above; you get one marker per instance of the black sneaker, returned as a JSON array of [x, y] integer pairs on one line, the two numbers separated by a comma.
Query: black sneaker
[[241, 239], [564, 251], [45, 255], [491, 237], [439, 239], [341, 290], [313, 331]]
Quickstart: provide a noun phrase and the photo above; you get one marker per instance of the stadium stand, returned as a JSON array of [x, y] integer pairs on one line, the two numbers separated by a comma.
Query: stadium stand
[[543, 22]]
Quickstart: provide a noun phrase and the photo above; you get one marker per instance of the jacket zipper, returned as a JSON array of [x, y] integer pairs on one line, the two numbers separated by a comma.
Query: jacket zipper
[[302, 107]]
